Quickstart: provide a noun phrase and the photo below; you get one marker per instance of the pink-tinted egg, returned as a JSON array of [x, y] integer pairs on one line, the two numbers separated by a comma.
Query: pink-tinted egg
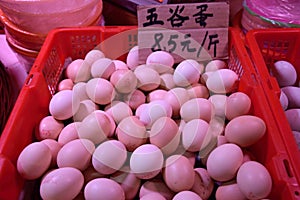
[[156, 186], [34, 160], [86, 107], [73, 68], [156, 95], [124, 81], [152, 196], [219, 103], [214, 65], [65, 84], [102, 68], [229, 192], [293, 95], [49, 128], [222, 81], [102, 156], [109, 190], [197, 108], [146, 161], [224, 161], [148, 79], [284, 72], [77, 154], [203, 184], [160, 57], [93, 55], [177, 97], [79, 92], [254, 180], [245, 130], [132, 59], [187, 195], [100, 90], [119, 110], [68, 133], [178, 173], [198, 90], [237, 104], [293, 117], [120, 64], [135, 99], [166, 81], [62, 183], [284, 101], [54, 147]]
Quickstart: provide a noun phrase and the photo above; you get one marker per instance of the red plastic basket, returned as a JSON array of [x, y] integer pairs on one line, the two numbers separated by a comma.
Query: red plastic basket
[[63, 44], [266, 47]]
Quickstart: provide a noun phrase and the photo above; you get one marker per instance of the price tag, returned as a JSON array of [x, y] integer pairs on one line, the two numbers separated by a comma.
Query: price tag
[[196, 30]]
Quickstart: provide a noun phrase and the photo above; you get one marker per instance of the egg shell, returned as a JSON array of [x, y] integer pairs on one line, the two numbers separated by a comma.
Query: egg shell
[[34, 160], [65, 84], [293, 117], [222, 81], [245, 130], [152, 196], [284, 101], [54, 147], [158, 94], [160, 68], [135, 99], [132, 59], [297, 137], [214, 65], [163, 131], [96, 127], [100, 90], [84, 72], [197, 108], [102, 68], [237, 104], [284, 72], [62, 183], [229, 192], [187, 72], [77, 154], [119, 64], [203, 184], [131, 132], [86, 107], [146, 161], [49, 128], [187, 195], [93, 55], [79, 92], [128, 181], [219, 103], [72, 69], [68, 133], [102, 156], [156, 186], [224, 161], [178, 173], [166, 81], [176, 97], [160, 57], [61, 105], [124, 81], [293, 95], [198, 90], [109, 190], [254, 180], [118, 110], [194, 134], [148, 79]]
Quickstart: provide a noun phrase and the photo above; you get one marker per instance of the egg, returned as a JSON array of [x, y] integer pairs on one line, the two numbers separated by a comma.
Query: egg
[[160, 68], [148, 79], [100, 90], [84, 72], [254, 180], [297, 137], [187, 72], [34, 160], [132, 59], [160, 57], [131, 132], [198, 90], [118, 110], [49, 128], [156, 185], [293, 95], [61, 105], [237, 104], [187, 195], [79, 92], [62, 183], [76, 153], [284, 101], [124, 81], [86, 107], [68, 133], [93, 55], [152, 196], [65, 84], [178, 173], [135, 99], [166, 81], [222, 81], [176, 97], [146, 161], [102, 68], [96, 127], [197, 108], [203, 184], [229, 192], [54, 147], [102, 156], [72, 69], [214, 65], [162, 132], [158, 94], [224, 161], [219, 103], [293, 118], [194, 134], [245, 130], [284, 72], [119, 64]]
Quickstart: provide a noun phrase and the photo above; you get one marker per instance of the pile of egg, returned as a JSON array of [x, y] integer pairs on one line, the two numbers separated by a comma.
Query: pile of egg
[[286, 76], [124, 130]]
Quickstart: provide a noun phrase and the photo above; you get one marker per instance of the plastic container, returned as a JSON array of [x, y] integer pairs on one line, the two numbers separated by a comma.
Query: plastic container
[[266, 47], [64, 44]]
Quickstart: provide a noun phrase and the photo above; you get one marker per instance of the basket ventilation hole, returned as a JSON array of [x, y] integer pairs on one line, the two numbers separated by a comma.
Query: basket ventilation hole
[[287, 168], [297, 193], [29, 79]]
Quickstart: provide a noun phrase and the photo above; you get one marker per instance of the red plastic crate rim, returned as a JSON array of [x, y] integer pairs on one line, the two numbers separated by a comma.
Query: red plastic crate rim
[[61, 44]]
